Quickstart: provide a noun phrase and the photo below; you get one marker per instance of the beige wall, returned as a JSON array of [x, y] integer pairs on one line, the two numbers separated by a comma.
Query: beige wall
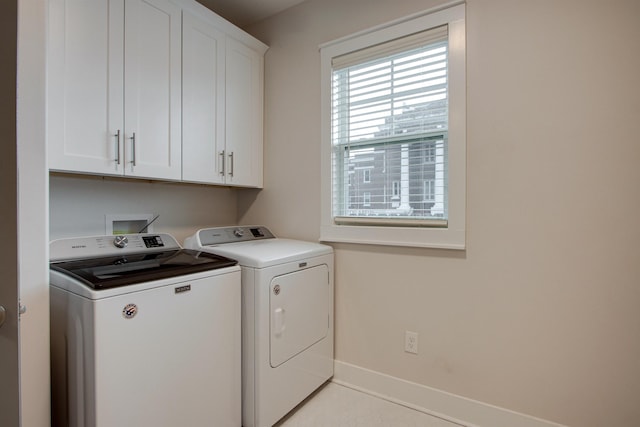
[[78, 205], [540, 314]]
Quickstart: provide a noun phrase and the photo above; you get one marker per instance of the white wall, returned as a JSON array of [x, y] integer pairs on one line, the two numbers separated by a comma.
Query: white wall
[[540, 314], [78, 205]]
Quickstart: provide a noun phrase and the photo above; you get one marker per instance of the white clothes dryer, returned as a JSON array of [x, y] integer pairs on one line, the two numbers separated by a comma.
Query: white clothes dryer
[[287, 316]]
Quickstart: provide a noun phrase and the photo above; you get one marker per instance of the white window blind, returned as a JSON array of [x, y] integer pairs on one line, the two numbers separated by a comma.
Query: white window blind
[[389, 116]]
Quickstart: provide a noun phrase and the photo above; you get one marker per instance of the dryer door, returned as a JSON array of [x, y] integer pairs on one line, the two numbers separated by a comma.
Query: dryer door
[[299, 307]]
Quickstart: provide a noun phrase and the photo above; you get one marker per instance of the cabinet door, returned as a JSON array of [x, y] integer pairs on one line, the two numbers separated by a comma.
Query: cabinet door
[[203, 56], [244, 105], [152, 89], [85, 86]]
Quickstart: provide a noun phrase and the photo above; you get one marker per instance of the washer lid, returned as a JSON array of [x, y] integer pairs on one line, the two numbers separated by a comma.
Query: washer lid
[[115, 271], [268, 252]]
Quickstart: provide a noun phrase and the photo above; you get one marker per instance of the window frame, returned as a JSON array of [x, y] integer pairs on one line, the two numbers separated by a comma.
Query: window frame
[[451, 236]]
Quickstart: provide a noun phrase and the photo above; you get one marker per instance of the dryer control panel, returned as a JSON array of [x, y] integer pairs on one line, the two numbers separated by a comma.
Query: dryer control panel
[[220, 235]]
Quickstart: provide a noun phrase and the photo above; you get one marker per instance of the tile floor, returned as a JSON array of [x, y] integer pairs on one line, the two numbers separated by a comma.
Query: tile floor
[[338, 406]]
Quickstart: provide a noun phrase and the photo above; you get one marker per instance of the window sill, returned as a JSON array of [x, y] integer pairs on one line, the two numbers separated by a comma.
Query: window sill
[[438, 238]]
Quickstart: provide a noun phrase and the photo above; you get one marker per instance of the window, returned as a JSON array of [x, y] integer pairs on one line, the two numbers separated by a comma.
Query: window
[[366, 176], [429, 193], [394, 99], [430, 153]]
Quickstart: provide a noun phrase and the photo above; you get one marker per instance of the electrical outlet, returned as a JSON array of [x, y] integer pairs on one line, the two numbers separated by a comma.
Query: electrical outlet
[[411, 342]]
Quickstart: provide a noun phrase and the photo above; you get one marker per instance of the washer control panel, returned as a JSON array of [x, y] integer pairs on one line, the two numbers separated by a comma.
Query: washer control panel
[[153, 241], [220, 235], [98, 246], [120, 241]]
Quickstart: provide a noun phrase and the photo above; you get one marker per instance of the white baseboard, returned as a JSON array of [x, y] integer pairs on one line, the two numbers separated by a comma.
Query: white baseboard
[[457, 409]]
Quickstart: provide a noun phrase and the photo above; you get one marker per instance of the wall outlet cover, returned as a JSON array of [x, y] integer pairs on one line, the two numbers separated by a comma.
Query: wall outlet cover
[[411, 342]]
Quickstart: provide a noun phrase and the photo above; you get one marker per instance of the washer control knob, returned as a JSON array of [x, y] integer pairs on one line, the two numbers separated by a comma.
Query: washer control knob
[[120, 242], [238, 232]]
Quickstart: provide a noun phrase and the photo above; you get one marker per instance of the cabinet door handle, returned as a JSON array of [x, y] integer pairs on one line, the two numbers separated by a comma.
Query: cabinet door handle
[[133, 149], [117, 135], [231, 164], [221, 156]]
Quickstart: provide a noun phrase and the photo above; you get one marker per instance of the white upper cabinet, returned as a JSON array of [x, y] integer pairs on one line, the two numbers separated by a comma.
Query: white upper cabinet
[[244, 114], [85, 86], [222, 101], [152, 87], [105, 117], [159, 89], [203, 101]]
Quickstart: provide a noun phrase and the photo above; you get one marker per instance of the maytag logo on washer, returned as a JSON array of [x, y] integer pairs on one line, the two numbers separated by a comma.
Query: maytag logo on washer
[[129, 311]]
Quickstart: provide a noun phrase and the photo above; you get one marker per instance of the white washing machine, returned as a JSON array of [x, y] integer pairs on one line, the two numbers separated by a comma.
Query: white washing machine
[[287, 317], [143, 333]]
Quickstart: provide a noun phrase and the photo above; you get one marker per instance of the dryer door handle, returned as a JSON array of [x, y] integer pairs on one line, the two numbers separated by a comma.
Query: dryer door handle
[[278, 321]]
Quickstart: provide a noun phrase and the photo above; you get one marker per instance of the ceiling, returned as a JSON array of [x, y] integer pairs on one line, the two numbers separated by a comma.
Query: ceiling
[[246, 12]]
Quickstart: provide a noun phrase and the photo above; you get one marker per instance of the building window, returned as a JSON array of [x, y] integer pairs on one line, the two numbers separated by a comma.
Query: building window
[[429, 190], [366, 199], [429, 153], [395, 98]]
